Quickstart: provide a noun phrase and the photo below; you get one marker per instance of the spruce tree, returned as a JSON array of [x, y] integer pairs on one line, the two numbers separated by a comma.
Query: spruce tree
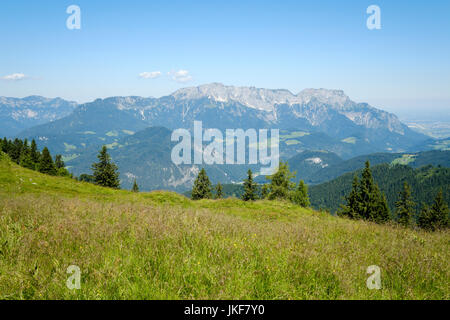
[[250, 188], [373, 205], [59, 163], [202, 187], [265, 191], [5, 145], [219, 193], [383, 213], [439, 212], [46, 164], [135, 186], [34, 153], [425, 220], [280, 183], [25, 160], [300, 195], [61, 166], [404, 207], [351, 208], [105, 172], [16, 150]]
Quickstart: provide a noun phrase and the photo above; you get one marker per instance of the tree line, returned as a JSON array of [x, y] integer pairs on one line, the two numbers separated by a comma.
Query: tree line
[[366, 201], [28, 156], [280, 187]]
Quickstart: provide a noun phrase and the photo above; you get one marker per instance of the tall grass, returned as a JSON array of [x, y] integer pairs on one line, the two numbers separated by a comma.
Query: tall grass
[[163, 246]]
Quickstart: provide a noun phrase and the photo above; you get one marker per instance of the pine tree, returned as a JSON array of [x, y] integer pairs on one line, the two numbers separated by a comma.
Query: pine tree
[[34, 153], [46, 164], [265, 191], [404, 207], [300, 195], [280, 183], [425, 220], [25, 146], [25, 160], [135, 187], [439, 212], [15, 150], [59, 163], [202, 187], [383, 211], [373, 205], [105, 172], [61, 166], [250, 188], [5, 145], [219, 193], [351, 209]]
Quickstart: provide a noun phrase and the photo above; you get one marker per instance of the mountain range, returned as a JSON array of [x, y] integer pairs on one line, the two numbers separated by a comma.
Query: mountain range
[[19, 114], [317, 120]]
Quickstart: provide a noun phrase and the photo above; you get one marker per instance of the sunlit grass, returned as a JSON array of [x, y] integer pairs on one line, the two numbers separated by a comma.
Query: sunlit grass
[[161, 245]]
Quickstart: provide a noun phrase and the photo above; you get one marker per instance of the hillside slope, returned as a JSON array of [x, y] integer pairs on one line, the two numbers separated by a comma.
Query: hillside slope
[[161, 245]]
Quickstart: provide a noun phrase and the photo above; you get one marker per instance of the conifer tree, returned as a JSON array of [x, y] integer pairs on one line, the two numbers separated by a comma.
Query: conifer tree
[[365, 201], [300, 195], [25, 160], [383, 213], [250, 188], [404, 207], [202, 187], [105, 172], [61, 166], [5, 145], [16, 150], [265, 191], [219, 192], [439, 212], [280, 183], [34, 153], [351, 208], [25, 146], [373, 205], [425, 220], [46, 164], [135, 186], [59, 163]]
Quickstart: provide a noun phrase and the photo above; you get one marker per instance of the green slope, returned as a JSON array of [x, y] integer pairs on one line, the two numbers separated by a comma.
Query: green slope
[[161, 245]]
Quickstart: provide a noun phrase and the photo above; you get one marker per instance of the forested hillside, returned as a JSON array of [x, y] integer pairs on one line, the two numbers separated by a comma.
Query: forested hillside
[[425, 183]]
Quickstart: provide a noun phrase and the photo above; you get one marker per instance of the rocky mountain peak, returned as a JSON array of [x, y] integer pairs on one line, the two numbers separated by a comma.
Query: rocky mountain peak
[[262, 99]]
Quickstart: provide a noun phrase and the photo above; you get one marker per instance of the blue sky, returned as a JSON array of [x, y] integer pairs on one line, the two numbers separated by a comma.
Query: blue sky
[[403, 68]]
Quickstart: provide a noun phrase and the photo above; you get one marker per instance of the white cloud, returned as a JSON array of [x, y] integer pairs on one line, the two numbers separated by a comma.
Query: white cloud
[[180, 76], [14, 77], [150, 75]]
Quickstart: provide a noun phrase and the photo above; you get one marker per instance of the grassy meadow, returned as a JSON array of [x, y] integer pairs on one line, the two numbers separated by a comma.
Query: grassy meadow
[[161, 245]]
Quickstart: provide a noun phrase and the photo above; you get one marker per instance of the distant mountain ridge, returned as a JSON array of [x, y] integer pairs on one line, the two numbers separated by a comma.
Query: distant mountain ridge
[[357, 127], [18, 114]]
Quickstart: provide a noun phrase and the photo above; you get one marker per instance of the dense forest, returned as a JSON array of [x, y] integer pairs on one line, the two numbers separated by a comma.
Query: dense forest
[[28, 156], [425, 183]]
